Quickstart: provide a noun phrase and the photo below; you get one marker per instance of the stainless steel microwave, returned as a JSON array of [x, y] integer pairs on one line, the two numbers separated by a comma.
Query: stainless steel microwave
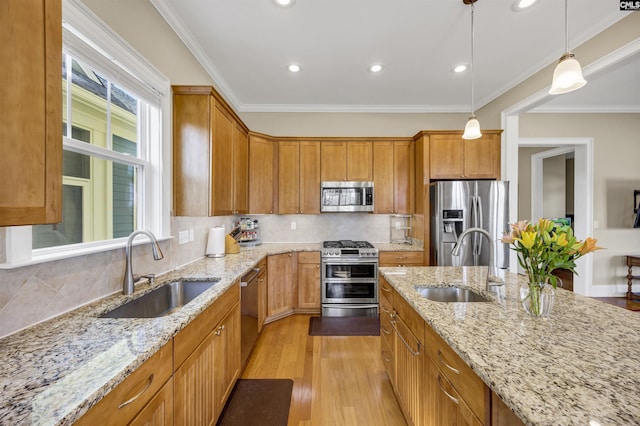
[[346, 197]]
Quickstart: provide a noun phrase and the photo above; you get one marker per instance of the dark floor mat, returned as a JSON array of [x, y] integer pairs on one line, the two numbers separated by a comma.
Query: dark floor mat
[[258, 402], [344, 326]]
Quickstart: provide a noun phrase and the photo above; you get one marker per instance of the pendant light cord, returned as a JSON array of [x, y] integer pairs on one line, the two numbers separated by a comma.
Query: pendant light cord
[[566, 25], [472, 62]]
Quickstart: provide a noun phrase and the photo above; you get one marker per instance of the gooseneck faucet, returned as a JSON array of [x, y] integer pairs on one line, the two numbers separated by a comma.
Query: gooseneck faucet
[[492, 273], [129, 278]]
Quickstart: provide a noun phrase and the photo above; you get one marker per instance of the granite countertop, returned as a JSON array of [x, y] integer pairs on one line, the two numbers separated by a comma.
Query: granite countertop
[[580, 366], [53, 372]]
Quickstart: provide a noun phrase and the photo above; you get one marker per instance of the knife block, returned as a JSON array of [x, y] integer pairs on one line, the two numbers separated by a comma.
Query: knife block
[[231, 246]]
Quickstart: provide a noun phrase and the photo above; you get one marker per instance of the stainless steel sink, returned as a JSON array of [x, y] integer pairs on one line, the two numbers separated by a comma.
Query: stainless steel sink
[[162, 301], [450, 294]]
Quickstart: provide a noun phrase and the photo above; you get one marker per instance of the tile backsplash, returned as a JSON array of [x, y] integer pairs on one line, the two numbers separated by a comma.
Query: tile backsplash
[[35, 293]]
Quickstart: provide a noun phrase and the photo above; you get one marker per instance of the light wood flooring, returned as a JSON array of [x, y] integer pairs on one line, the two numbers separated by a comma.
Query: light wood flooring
[[338, 381]]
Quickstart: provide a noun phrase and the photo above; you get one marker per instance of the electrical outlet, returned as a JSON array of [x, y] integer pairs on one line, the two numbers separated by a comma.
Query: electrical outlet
[[293, 226], [190, 234], [183, 237], [596, 224]]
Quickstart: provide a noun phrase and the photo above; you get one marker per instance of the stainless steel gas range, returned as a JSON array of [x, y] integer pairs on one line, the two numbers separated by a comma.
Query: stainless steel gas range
[[349, 278]]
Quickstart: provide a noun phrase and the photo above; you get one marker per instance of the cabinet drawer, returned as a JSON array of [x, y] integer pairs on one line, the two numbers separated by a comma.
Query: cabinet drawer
[[466, 382], [397, 258], [388, 359], [410, 317], [190, 337], [309, 257], [123, 403], [385, 291]]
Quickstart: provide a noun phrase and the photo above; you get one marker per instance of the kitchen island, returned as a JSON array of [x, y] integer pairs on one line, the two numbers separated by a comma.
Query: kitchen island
[[580, 366]]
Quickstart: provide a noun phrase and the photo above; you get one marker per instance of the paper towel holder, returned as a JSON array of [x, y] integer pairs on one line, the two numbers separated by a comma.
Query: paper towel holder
[[216, 248]]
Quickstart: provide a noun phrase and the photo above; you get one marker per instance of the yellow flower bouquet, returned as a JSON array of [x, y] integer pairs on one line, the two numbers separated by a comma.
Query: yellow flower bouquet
[[543, 248]]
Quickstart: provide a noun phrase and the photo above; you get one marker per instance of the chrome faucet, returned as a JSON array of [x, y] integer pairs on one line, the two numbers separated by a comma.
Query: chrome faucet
[[492, 273], [129, 278]]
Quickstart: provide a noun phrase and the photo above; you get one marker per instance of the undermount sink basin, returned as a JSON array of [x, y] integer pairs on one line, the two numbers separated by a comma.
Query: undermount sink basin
[[162, 301], [450, 294]]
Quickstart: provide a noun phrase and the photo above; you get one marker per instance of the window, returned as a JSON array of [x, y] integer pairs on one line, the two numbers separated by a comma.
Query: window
[[115, 116]]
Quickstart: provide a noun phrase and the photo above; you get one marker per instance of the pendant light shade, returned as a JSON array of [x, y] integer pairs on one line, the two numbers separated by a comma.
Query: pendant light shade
[[567, 76], [472, 128]]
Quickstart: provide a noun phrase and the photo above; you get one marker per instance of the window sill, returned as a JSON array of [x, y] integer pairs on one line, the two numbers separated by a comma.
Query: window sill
[[86, 249]]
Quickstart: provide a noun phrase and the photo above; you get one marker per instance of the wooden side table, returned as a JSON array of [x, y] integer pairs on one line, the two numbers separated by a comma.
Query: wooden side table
[[631, 262]]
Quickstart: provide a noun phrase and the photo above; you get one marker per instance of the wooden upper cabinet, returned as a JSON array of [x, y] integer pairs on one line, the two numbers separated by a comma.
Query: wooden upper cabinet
[[451, 157], [393, 176], [333, 157], [347, 161], [288, 177], [241, 170], [262, 160], [222, 162], [360, 161], [31, 118], [210, 155], [298, 177]]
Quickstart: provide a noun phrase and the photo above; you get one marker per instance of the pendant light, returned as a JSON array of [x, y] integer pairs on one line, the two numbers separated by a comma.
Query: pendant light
[[567, 76], [472, 129]]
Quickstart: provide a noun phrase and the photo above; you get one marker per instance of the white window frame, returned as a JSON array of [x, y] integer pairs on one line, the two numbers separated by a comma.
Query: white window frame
[[83, 29]]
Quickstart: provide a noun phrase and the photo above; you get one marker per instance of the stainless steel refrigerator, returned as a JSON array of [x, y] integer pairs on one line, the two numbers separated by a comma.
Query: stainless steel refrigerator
[[458, 205]]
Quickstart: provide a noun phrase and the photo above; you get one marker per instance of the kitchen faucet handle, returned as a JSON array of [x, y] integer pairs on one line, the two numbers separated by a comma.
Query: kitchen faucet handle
[[150, 277]]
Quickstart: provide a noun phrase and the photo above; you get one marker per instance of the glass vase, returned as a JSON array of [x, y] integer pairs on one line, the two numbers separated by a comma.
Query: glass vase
[[537, 299]]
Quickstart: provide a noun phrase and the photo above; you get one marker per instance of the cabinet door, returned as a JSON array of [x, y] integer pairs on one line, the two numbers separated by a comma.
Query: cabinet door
[[222, 162], [446, 156], [194, 384], [31, 118], [191, 148], [226, 342], [383, 176], [240, 170], [482, 157], [403, 168], [288, 177], [333, 157], [279, 285], [310, 177], [262, 296], [409, 357], [360, 161], [159, 411], [449, 407], [261, 175], [309, 281]]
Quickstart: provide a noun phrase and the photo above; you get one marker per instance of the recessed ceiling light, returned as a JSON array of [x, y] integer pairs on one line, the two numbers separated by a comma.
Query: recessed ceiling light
[[294, 68], [375, 68], [284, 3], [460, 68], [523, 4]]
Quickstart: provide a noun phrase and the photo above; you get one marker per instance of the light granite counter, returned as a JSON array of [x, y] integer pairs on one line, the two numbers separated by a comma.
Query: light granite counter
[[52, 373], [580, 366]]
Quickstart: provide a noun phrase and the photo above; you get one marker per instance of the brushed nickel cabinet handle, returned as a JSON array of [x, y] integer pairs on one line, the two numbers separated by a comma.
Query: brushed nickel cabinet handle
[[451, 397], [139, 394], [384, 331], [385, 359], [386, 289], [409, 348], [442, 361]]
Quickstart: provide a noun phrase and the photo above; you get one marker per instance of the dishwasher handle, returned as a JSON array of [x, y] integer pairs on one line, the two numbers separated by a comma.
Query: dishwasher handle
[[250, 277]]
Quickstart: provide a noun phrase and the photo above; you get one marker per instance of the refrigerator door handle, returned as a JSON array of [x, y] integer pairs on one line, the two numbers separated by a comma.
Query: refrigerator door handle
[[474, 224], [480, 223]]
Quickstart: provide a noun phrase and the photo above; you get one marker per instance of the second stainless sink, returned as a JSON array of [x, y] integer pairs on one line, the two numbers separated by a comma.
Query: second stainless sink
[[450, 294], [162, 301]]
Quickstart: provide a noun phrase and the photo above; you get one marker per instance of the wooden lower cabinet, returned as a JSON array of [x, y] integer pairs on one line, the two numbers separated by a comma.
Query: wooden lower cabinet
[[446, 406], [409, 358], [204, 381], [308, 282], [280, 289], [262, 293], [401, 258], [159, 411]]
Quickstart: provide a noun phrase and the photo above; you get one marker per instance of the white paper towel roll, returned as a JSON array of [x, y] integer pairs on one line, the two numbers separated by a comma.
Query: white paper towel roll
[[215, 242]]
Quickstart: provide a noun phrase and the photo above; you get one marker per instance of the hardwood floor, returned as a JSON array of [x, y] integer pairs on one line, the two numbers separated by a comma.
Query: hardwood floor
[[623, 302], [337, 380]]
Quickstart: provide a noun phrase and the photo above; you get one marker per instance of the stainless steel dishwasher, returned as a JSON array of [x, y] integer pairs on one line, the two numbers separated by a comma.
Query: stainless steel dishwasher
[[248, 312]]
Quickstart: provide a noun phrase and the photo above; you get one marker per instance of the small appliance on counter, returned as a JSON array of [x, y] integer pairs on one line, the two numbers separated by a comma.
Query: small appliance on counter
[[248, 232], [216, 242]]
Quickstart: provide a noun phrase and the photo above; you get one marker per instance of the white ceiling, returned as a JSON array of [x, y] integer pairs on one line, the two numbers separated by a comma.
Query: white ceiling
[[245, 45]]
